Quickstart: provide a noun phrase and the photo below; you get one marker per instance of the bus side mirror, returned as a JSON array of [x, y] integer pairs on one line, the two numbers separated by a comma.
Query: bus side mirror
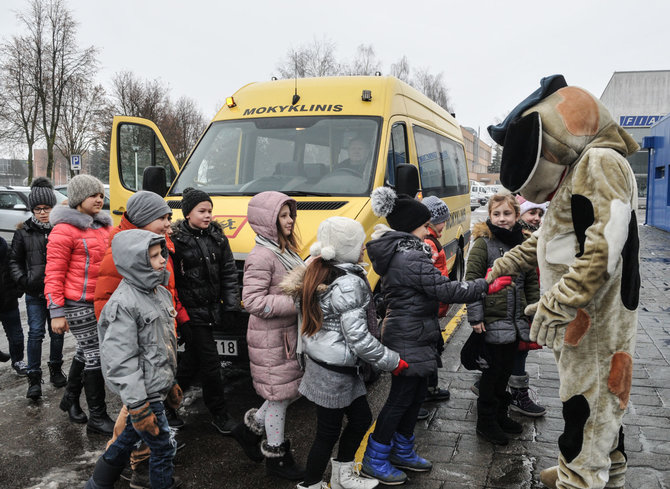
[[153, 180], [406, 179]]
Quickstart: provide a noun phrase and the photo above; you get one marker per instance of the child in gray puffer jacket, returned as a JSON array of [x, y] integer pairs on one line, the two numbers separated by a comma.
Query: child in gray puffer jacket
[[138, 349]]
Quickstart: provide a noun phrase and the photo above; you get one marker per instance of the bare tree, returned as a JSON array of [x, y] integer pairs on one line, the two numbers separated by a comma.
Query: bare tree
[[433, 87], [58, 62], [82, 119], [365, 62], [20, 102], [401, 69], [181, 123], [309, 60]]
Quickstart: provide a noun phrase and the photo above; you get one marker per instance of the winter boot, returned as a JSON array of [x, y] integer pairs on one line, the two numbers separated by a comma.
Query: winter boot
[[56, 375], [487, 423], [174, 421], [249, 434], [104, 475], [404, 456], [521, 400], [345, 476], [549, 476], [435, 394], [279, 461], [34, 385], [316, 485], [140, 478], [4, 357], [507, 424], [94, 388], [376, 464], [70, 401]]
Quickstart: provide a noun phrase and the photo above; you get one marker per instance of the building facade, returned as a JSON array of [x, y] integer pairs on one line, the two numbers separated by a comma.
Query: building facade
[[478, 156], [637, 100]]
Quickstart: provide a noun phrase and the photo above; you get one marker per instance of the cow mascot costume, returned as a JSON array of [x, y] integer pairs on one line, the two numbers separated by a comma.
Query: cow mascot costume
[[561, 144]]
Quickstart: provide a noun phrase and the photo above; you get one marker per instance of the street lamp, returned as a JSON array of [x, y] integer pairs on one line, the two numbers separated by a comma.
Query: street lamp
[[136, 149]]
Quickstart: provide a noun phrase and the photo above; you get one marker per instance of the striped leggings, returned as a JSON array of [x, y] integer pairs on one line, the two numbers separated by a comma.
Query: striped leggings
[[84, 327]]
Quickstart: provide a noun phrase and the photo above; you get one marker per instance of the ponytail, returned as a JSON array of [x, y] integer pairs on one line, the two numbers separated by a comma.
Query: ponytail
[[316, 274]]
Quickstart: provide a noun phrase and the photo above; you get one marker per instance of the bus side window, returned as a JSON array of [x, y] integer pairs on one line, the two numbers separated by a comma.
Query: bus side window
[[397, 153]]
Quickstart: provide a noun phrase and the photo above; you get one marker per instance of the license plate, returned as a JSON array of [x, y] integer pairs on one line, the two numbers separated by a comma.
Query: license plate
[[227, 347]]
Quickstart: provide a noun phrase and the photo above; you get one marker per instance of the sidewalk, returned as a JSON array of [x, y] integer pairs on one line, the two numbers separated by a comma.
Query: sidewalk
[[462, 460]]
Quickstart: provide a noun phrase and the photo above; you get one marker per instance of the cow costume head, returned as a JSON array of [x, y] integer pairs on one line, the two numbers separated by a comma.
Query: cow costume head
[[547, 133]]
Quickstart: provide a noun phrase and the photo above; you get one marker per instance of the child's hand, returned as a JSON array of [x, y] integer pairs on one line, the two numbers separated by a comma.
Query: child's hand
[[402, 365], [174, 397], [479, 328], [59, 325], [144, 419]]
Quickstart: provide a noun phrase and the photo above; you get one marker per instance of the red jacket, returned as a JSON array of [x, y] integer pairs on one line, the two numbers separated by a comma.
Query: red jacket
[[109, 278], [75, 249], [439, 258]]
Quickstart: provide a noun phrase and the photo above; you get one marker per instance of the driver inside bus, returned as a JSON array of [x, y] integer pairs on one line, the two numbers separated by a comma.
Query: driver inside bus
[[359, 156]]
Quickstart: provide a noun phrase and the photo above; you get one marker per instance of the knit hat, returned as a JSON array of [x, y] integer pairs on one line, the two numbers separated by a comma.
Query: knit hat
[[192, 197], [439, 211], [340, 239], [41, 193], [526, 205], [402, 212], [144, 207], [81, 188]]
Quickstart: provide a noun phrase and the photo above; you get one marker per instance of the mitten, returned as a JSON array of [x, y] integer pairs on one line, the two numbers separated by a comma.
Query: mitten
[[185, 334], [174, 397], [550, 322], [144, 419], [498, 284], [402, 365]]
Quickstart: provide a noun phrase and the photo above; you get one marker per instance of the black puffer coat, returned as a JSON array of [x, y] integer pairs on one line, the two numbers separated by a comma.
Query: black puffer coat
[[28, 257], [412, 289], [8, 291], [205, 273]]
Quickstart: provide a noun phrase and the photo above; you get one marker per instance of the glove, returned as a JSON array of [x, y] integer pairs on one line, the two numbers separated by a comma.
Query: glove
[[550, 322], [498, 284], [174, 397], [402, 365], [185, 334], [144, 419]]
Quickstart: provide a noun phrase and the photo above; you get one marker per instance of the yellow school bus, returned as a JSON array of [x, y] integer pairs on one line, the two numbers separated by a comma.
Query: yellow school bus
[[327, 142]]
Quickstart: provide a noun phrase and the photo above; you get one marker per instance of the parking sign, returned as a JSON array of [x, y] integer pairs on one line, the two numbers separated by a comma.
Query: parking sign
[[75, 162]]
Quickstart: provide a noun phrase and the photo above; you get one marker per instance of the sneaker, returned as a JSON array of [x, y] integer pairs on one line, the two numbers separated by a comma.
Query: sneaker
[[435, 394], [21, 368], [523, 403], [475, 388], [224, 423], [173, 418], [423, 414]]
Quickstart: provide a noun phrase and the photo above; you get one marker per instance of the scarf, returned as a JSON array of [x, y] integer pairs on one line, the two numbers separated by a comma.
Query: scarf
[[528, 226], [42, 225], [511, 237], [290, 259], [408, 244]]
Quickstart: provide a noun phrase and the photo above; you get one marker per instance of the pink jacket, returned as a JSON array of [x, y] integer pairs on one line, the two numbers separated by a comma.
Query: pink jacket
[[272, 334], [75, 249]]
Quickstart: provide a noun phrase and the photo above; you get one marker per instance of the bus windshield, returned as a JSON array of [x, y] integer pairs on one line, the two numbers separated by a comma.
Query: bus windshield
[[311, 155]]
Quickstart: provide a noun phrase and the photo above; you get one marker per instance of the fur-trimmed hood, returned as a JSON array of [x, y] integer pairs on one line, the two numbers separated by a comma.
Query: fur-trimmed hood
[[481, 230], [292, 283], [67, 215]]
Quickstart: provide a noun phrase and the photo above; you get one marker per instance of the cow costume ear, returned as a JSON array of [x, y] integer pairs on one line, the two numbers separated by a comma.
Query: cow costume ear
[[522, 151]]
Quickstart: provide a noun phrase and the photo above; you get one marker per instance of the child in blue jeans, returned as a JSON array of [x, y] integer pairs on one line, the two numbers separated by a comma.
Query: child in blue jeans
[[138, 349]]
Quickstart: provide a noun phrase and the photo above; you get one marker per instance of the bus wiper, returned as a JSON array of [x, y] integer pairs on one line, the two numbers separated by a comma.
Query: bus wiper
[[302, 193]]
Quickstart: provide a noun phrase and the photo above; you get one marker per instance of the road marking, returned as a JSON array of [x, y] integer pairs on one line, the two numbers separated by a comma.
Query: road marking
[[447, 333]]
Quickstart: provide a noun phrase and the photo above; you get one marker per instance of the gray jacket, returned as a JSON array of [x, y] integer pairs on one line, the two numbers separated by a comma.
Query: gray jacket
[[344, 336], [138, 346]]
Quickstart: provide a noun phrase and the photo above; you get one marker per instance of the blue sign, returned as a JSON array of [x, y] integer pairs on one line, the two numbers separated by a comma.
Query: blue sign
[[639, 120], [75, 162]]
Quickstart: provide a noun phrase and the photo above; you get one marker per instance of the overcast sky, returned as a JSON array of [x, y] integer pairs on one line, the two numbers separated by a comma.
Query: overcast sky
[[491, 53]]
